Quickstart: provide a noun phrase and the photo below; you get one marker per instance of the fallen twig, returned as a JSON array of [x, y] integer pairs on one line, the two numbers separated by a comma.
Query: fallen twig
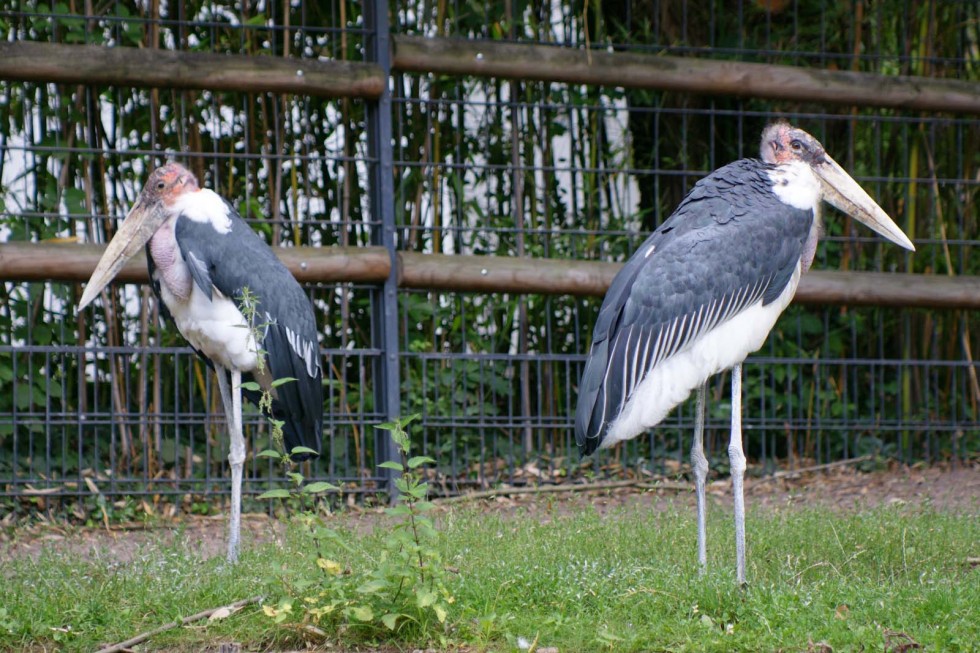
[[122, 646], [813, 468], [571, 487], [642, 484], [799, 575]]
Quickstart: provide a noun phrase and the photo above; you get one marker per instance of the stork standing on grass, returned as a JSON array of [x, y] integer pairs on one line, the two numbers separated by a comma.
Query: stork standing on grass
[[202, 257], [704, 290]]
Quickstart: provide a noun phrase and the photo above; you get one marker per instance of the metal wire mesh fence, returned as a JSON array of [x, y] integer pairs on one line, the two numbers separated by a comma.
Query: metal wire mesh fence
[[113, 402]]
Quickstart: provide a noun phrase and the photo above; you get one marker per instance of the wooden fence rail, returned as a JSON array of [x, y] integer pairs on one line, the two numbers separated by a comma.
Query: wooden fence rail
[[120, 66], [29, 61], [66, 262], [686, 74]]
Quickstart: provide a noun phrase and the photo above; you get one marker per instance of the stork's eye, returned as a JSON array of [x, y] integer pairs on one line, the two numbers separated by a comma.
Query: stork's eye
[[796, 145]]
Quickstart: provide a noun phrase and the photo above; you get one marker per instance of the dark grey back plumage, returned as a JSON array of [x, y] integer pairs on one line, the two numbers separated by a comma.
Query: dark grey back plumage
[[728, 244], [231, 262]]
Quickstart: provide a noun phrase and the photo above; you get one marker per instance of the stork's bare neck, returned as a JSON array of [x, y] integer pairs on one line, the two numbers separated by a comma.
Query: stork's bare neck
[[178, 195]]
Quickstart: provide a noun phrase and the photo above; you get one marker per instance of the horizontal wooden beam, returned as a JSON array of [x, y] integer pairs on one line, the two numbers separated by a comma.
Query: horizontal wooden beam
[[532, 61], [569, 277], [143, 67], [99, 65], [505, 274], [74, 263]]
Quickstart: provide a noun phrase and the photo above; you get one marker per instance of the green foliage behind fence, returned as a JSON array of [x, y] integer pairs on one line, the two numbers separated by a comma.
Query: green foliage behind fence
[[482, 166]]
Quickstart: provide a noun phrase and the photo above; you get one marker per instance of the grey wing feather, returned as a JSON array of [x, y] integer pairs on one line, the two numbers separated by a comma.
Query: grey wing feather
[[725, 247], [239, 259]]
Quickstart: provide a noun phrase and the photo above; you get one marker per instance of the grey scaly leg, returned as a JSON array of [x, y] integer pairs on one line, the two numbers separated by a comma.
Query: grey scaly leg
[[737, 458], [700, 466], [232, 398]]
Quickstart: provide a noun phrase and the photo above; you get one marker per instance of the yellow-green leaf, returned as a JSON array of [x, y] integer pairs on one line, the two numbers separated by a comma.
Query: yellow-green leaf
[[362, 613], [330, 566], [419, 460], [424, 598], [390, 620], [320, 486], [441, 612], [279, 493]]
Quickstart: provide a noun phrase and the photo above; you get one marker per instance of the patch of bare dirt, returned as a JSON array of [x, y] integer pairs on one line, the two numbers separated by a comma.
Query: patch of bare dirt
[[844, 488], [940, 487], [122, 543]]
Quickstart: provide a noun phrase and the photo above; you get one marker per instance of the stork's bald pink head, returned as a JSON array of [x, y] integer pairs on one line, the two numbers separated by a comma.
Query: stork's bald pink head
[[167, 183], [165, 186], [784, 143]]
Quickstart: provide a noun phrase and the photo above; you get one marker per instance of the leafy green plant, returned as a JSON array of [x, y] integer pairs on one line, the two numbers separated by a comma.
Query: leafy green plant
[[300, 493], [402, 589]]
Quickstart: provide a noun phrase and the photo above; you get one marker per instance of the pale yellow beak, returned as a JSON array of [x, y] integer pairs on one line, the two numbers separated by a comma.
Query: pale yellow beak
[[843, 192], [136, 230]]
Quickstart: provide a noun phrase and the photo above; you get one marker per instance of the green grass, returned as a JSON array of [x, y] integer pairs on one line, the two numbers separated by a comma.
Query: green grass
[[582, 582]]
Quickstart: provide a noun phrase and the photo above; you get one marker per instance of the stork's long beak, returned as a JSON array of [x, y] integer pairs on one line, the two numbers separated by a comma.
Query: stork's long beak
[[843, 192], [139, 226]]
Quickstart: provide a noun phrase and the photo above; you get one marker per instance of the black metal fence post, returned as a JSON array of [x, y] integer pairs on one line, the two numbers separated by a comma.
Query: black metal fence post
[[381, 190]]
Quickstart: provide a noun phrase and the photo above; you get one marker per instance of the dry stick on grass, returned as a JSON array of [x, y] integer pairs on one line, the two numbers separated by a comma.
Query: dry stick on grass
[[122, 646], [581, 487], [812, 468], [672, 486]]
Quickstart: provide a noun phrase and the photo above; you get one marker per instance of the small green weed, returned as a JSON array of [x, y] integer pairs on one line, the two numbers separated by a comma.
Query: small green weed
[[401, 589]]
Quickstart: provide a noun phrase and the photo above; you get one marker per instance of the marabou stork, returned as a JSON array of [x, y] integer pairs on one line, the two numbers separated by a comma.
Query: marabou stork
[[201, 256], [704, 290]]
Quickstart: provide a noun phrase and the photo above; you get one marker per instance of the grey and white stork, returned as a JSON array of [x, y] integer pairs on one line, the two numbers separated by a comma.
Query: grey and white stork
[[704, 290], [202, 256]]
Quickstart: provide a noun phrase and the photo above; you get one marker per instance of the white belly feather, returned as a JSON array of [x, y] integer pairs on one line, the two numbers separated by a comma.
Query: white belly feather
[[215, 327], [673, 380]]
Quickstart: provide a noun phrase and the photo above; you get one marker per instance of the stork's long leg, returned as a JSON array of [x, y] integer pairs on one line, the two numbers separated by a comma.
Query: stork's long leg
[[700, 466], [737, 458], [225, 390], [231, 396]]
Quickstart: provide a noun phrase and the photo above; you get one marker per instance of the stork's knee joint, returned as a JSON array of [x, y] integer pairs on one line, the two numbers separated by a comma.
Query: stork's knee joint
[[699, 463], [737, 459]]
